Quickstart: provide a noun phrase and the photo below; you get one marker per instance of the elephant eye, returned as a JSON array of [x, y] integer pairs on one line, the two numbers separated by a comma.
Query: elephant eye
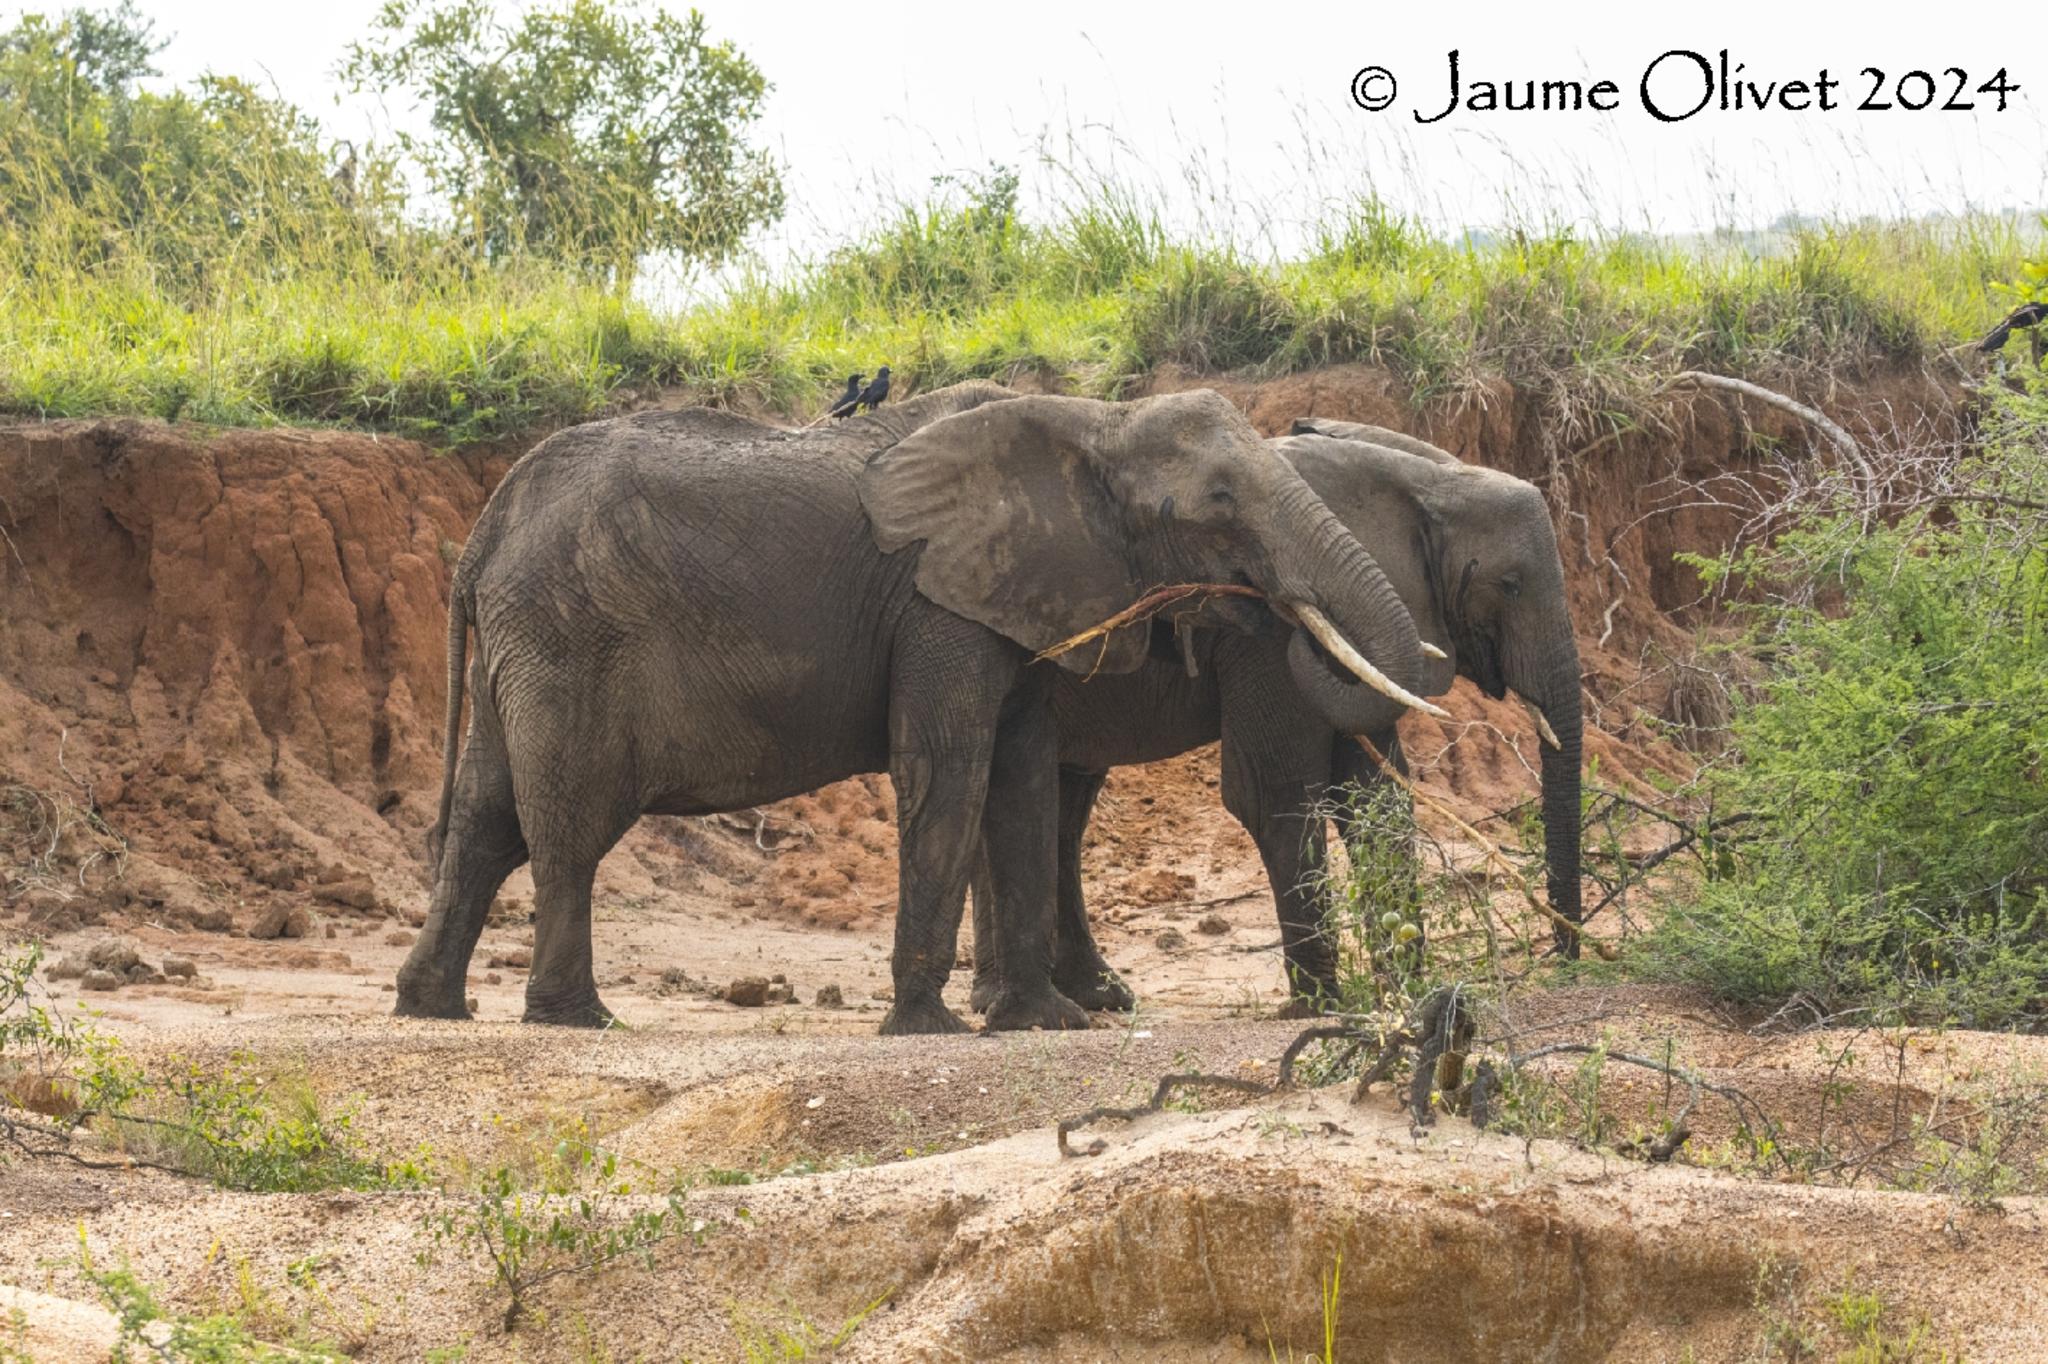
[[1221, 497], [1511, 587]]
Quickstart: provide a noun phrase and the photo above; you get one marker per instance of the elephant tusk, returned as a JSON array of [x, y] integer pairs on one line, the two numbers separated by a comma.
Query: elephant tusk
[[1542, 725], [1431, 651], [1326, 634]]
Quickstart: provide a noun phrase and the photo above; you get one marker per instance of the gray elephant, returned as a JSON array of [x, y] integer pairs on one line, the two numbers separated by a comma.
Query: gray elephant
[[686, 613], [1472, 554]]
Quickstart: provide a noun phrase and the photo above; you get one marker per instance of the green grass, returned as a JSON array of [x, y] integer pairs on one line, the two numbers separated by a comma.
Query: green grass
[[336, 317]]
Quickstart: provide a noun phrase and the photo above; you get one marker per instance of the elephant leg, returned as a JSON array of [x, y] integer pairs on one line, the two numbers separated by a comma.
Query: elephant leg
[[1019, 828], [1276, 775], [572, 813], [481, 847], [563, 986], [982, 896], [1285, 823], [1078, 969], [946, 695]]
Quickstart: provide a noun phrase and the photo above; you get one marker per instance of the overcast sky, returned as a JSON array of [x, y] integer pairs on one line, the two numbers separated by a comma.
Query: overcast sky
[[1249, 105]]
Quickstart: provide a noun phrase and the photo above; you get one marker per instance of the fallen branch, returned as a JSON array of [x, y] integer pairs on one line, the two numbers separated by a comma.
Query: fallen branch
[[1604, 950], [1167, 1084], [1440, 1027], [1840, 438], [1662, 1149], [1144, 608]]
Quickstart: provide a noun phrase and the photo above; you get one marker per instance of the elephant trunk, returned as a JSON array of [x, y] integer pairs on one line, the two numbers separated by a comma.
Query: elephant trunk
[[1554, 694], [1357, 655]]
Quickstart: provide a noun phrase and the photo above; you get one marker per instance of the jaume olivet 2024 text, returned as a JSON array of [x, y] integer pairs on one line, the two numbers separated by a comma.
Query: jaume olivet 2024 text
[[1681, 84]]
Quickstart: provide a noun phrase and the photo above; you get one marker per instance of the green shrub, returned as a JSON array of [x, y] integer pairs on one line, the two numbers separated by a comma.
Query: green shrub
[[1898, 746], [230, 1124]]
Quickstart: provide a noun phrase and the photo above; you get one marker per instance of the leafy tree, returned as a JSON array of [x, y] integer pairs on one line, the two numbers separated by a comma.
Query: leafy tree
[[93, 169], [596, 133]]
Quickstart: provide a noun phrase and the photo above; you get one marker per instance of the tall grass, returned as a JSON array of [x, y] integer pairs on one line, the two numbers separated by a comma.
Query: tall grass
[[309, 307]]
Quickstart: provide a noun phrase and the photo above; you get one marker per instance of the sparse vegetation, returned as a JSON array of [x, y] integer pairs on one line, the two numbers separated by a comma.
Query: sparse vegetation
[[1893, 748], [577, 1211], [149, 1330], [74, 1093]]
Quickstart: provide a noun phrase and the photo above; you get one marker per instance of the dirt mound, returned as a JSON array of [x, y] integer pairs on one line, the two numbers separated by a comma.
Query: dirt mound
[[1200, 1232], [222, 669]]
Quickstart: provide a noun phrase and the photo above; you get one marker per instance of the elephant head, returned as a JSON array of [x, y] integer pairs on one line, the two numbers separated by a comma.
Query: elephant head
[[1473, 553], [1041, 517]]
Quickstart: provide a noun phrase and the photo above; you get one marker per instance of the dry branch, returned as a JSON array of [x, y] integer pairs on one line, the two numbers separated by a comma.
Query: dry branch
[[1144, 608], [1839, 437]]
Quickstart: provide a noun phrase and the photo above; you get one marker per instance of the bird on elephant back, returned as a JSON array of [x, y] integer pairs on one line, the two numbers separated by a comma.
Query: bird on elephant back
[[1471, 553], [689, 613]]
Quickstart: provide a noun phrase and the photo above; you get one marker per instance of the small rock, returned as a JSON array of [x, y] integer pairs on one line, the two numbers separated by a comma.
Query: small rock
[[142, 973], [212, 919], [1215, 925], [785, 993], [66, 967], [493, 978], [416, 916], [355, 892], [404, 937], [829, 997], [778, 979], [183, 967], [749, 992], [283, 921], [101, 980], [388, 988], [118, 956], [471, 1002], [1171, 940], [514, 958]]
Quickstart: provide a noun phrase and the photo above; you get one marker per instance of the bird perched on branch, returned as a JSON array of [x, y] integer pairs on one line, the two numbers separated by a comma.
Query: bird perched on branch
[[843, 406], [877, 390], [2026, 315]]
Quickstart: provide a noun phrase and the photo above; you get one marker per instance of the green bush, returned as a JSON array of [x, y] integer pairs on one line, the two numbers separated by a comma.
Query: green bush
[[1897, 746]]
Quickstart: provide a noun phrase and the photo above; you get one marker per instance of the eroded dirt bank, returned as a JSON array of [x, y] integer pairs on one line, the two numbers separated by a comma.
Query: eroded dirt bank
[[231, 645]]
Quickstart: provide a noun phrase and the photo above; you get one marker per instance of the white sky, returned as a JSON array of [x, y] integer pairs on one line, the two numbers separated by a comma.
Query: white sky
[[873, 99]]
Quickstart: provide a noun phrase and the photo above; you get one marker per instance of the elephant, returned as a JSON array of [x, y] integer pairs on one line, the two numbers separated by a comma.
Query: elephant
[[1473, 555], [690, 613]]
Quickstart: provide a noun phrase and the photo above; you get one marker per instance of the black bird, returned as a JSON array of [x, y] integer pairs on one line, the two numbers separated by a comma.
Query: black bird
[[844, 405], [2026, 315], [877, 390]]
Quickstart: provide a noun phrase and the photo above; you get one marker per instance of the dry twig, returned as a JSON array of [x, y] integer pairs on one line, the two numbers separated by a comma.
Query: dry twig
[[1144, 608]]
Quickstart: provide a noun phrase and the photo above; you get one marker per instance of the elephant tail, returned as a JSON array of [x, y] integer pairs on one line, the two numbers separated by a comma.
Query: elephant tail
[[451, 742]]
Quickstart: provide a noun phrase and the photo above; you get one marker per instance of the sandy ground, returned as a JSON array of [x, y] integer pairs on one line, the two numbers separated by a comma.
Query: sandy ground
[[927, 1177]]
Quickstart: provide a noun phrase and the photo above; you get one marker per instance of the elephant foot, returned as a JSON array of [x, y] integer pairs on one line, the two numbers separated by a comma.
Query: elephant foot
[[417, 999], [422, 1007], [578, 1011], [1019, 1010], [928, 1014], [1093, 984]]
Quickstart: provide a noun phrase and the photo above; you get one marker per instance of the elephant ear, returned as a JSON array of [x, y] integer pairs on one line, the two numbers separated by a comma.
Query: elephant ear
[[1374, 435], [1020, 529]]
